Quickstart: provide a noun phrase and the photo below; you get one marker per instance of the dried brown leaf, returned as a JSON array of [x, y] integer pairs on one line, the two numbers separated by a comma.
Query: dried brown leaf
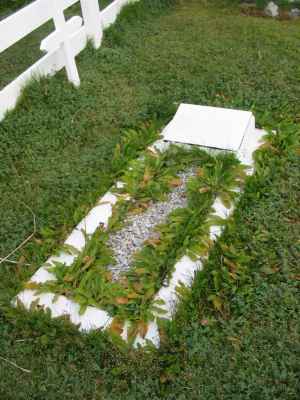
[[121, 300]]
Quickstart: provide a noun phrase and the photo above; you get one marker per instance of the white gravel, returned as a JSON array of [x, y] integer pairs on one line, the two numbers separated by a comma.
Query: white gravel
[[140, 227]]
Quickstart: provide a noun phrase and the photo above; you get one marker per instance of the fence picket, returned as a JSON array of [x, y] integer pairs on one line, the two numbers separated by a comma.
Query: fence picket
[[28, 19], [62, 46], [92, 21], [62, 31]]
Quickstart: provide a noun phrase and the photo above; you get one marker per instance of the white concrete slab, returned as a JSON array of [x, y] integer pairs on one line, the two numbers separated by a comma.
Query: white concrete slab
[[92, 319], [213, 127], [252, 141]]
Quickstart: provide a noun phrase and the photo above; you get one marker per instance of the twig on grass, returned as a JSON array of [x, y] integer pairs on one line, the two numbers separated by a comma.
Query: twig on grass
[[6, 258], [15, 365], [23, 340], [12, 262]]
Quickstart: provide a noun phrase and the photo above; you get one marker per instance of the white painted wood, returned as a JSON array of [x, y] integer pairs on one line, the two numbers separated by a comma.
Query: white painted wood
[[23, 22], [61, 31], [110, 13], [53, 41], [47, 65], [20, 24], [213, 127], [92, 21]]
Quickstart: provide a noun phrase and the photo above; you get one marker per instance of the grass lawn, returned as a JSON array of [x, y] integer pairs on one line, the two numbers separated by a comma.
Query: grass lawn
[[56, 160]]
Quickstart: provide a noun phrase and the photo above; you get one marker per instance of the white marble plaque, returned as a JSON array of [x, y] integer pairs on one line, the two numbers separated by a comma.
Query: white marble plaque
[[213, 127]]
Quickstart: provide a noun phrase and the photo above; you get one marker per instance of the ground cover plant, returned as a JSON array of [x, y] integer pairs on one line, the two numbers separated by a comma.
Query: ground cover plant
[[186, 231], [155, 57]]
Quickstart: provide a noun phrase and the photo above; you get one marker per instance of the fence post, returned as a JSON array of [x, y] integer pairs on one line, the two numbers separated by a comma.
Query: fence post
[[60, 26], [92, 21]]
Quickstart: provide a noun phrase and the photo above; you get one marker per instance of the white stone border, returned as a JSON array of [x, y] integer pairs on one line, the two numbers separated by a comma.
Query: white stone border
[[185, 268]]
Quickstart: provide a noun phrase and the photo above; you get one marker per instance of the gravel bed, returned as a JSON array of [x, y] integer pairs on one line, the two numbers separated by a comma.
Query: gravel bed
[[140, 227]]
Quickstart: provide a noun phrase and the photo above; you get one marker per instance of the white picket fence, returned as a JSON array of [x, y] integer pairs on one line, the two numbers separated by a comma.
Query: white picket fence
[[62, 46]]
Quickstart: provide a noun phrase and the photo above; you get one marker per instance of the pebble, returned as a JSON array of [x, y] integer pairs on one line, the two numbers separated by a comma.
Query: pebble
[[272, 10], [140, 227]]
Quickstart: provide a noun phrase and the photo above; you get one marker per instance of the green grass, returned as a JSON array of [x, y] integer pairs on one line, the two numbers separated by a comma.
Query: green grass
[[15, 60], [9, 6], [56, 157]]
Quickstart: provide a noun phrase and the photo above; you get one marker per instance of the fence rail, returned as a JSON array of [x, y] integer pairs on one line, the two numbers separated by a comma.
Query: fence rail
[[61, 46]]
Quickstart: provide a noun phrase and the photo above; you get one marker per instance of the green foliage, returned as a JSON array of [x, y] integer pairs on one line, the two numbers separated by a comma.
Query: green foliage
[[227, 275], [56, 155], [186, 231], [132, 143], [261, 3], [151, 178], [220, 178], [13, 5], [87, 280]]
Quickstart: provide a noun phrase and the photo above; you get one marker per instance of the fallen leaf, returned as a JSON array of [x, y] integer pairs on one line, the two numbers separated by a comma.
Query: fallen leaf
[[217, 302], [147, 176], [140, 271], [163, 378], [108, 275], [31, 285], [138, 287], [232, 266], [175, 182], [123, 281], [142, 328], [121, 300], [132, 295], [68, 278], [144, 205], [153, 242], [204, 189], [200, 172], [137, 210], [116, 326]]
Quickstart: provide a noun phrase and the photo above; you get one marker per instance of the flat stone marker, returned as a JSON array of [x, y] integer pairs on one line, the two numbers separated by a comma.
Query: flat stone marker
[[214, 127]]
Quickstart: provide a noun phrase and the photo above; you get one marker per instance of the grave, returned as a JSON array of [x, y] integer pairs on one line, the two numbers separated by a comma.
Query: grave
[[193, 127]]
